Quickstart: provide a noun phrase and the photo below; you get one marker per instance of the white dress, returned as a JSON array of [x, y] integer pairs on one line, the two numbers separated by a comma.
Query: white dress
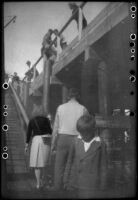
[[39, 152]]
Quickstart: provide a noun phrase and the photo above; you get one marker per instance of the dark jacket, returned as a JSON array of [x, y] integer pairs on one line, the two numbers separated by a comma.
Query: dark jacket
[[87, 170], [38, 126]]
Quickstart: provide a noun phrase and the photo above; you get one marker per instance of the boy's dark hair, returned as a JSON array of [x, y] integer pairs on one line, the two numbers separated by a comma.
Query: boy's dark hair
[[86, 126]]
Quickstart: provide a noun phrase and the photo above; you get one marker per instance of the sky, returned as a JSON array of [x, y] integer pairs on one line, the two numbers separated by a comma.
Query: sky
[[23, 39]]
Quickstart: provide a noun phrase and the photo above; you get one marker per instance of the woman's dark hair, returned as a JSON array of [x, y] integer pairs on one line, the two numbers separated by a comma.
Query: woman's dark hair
[[86, 126]]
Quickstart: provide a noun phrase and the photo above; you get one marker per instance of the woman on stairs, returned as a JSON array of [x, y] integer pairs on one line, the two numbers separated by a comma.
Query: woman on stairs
[[39, 135]]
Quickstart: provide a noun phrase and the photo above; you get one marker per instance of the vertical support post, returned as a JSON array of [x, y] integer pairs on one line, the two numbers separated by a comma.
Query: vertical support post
[[87, 53], [102, 81], [64, 94], [103, 99], [34, 74], [46, 84], [27, 92], [83, 75], [80, 22]]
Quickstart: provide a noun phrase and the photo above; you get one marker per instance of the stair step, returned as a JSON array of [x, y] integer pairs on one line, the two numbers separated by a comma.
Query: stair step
[[16, 162]]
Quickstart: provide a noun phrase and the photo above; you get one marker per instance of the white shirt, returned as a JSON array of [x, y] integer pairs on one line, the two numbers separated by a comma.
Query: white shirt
[[88, 144], [67, 116]]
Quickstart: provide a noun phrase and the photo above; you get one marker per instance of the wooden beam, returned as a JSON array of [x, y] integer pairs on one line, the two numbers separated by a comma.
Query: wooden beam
[[55, 80], [119, 122], [38, 82], [107, 19]]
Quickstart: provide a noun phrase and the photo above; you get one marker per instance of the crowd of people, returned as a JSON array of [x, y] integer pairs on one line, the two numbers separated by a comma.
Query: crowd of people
[[80, 155]]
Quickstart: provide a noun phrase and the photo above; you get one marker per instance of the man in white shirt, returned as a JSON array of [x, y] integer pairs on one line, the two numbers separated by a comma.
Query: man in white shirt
[[65, 128]]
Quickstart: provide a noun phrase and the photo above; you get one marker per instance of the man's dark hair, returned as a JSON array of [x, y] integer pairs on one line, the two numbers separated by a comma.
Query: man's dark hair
[[73, 92]]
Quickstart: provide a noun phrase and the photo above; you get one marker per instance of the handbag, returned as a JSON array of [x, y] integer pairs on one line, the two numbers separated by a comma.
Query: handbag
[[46, 138]]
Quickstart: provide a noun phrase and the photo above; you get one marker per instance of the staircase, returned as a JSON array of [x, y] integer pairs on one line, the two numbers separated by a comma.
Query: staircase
[[16, 162], [18, 176]]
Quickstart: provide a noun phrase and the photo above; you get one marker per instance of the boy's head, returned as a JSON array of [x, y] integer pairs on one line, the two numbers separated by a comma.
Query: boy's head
[[86, 127]]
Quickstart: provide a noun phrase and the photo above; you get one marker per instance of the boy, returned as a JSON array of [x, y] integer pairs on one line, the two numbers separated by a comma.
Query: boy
[[87, 162]]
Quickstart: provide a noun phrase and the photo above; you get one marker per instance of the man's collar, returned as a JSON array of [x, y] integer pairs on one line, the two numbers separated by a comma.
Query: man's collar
[[73, 100]]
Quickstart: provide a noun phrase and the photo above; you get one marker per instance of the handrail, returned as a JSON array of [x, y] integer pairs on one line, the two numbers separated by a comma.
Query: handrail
[[26, 119], [63, 28]]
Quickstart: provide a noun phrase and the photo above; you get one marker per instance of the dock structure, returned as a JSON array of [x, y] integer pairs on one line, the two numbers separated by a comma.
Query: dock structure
[[93, 64], [98, 65]]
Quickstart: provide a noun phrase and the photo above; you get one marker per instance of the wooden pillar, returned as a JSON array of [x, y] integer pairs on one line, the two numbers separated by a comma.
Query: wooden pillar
[[102, 88], [89, 80], [103, 100], [64, 94], [26, 95], [34, 74], [87, 53], [46, 84]]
